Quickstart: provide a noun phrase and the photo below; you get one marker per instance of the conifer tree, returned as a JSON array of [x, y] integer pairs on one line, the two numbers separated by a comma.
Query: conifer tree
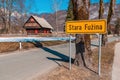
[[70, 15]]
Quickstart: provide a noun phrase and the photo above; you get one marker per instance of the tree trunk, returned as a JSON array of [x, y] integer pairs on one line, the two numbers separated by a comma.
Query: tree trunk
[[110, 13], [10, 12], [4, 16], [81, 12], [101, 12]]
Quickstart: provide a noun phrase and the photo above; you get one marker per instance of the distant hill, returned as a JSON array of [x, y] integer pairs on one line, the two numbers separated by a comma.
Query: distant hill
[[93, 15], [94, 11]]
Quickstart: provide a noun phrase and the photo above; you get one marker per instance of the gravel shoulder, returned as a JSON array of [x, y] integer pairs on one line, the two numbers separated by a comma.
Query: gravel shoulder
[[116, 64]]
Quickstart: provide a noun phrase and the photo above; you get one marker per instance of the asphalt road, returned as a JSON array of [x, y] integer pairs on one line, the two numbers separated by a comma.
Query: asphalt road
[[23, 65]]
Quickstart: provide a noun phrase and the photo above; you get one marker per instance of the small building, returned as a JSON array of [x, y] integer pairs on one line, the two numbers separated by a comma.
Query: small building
[[36, 25]]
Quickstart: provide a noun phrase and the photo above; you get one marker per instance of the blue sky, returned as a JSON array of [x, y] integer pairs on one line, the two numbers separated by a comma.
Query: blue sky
[[45, 6], [96, 1]]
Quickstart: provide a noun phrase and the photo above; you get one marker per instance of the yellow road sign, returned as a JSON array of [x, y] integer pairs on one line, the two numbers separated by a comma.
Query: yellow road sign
[[86, 27]]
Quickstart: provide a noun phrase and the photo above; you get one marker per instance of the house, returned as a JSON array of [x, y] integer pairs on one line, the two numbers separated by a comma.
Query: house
[[36, 25]]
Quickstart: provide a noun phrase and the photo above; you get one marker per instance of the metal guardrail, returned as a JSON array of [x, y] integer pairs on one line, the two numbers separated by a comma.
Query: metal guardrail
[[33, 39]]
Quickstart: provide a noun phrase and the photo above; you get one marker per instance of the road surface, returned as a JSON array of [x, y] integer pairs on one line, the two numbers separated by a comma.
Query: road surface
[[22, 65]]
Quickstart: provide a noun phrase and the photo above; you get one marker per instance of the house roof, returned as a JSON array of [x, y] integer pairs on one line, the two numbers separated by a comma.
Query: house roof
[[42, 22]]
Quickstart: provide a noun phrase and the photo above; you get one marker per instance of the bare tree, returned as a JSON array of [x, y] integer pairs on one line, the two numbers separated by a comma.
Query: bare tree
[[6, 12], [22, 9], [111, 10], [110, 13], [9, 7], [21, 12], [109, 17], [117, 27], [101, 12], [81, 12], [3, 13], [101, 9], [56, 6]]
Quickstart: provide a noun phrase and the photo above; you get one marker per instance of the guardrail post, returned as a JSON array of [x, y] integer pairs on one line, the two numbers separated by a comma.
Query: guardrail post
[[20, 45]]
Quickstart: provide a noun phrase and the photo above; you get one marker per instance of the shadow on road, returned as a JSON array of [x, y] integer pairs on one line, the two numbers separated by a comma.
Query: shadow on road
[[37, 44], [61, 56]]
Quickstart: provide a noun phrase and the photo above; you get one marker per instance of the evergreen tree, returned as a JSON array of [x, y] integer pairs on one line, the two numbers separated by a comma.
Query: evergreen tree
[[70, 15]]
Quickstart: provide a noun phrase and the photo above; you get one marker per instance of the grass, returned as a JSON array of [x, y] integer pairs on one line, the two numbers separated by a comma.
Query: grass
[[13, 46]]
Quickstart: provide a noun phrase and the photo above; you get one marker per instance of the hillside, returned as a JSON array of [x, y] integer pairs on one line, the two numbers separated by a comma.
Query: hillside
[[93, 15], [18, 19]]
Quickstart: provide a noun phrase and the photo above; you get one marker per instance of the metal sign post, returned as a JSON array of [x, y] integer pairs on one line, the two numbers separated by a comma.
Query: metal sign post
[[86, 27], [70, 52], [99, 55]]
